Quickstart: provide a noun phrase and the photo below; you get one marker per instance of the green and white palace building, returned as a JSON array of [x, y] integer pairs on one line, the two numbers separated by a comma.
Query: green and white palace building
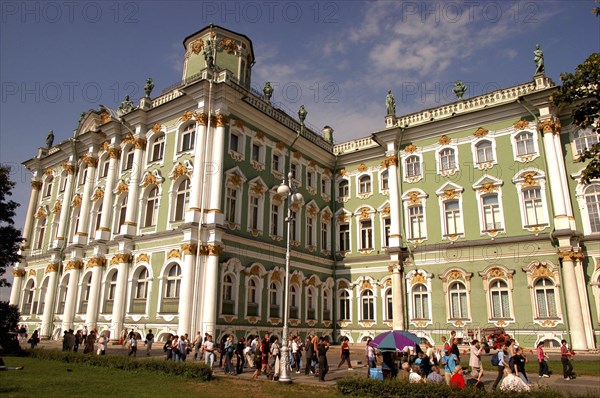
[[165, 215]]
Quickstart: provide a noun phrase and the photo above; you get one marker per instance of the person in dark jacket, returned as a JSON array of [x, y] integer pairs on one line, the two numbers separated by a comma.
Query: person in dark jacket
[[322, 348]]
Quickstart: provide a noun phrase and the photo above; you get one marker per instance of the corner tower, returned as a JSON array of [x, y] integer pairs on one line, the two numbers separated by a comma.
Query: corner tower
[[221, 48]]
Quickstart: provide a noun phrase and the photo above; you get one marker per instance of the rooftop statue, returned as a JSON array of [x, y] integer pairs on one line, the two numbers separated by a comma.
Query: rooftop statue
[[459, 89], [49, 139], [268, 90], [390, 104], [148, 87], [302, 114], [538, 58], [208, 55], [126, 106]]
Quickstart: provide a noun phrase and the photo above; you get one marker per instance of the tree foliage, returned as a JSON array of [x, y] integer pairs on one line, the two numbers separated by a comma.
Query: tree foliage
[[9, 319], [581, 90], [10, 236]]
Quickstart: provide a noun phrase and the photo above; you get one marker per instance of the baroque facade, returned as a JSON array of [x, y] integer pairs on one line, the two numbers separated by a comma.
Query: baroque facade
[[166, 216]]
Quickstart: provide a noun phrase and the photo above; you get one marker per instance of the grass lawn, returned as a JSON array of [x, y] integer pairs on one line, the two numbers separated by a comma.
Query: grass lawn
[[42, 378]]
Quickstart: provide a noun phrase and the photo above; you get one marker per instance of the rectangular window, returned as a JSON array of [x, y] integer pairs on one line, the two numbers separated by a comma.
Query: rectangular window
[[452, 218], [491, 213], [344, 237], [274, 220], [230, 205], [294, 170], [387, 224], [416, 222], [311, 179], [187, 140], [276, 162], [253, 212], [413, 167], [310, 229], [234, 142], [534, 211], [256, 153], [324, 236], [366, 234]]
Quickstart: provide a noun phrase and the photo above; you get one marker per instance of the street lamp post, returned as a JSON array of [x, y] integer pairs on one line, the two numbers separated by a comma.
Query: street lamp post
[[293, 197]]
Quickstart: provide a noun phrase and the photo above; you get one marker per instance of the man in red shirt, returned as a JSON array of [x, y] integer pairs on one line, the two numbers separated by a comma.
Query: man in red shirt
[[565, 358], [457, 380]]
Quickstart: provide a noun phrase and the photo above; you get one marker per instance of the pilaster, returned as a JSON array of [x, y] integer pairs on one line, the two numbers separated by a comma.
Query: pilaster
[[36, 187], [214, 214], [73, 269], [17, 285], [130, 225], [47, 316], [81, 236], [186, 296], [66, 206], [197, 182], [121, 261], [209, 313], [91, 317], [575, 314], [103, 233]]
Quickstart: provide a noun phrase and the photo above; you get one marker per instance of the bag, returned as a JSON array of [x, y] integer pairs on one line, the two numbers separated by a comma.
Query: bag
[[495, 360]]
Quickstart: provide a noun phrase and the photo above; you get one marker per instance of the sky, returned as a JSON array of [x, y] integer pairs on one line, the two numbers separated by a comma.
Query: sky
[[337, 58]]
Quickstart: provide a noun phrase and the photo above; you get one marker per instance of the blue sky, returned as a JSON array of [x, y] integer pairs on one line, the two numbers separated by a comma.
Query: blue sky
[[338, 58]]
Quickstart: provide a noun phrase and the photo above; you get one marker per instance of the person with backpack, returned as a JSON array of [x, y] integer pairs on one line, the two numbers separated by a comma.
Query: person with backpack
[[500, 361], [449, 361]]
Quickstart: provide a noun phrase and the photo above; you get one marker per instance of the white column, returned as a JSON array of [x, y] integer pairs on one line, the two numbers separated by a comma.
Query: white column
[[130, 225], [66, 206], [15, 293], [118, 314], [394, 195], [186, 295], [397, 298], [36, 186], [91, 316], [81, 236], [556, 188], [574, 313], [584, 300], [72, 268], [46, 329], [103, 233], [214, 213], [209, 313], [193, 213]]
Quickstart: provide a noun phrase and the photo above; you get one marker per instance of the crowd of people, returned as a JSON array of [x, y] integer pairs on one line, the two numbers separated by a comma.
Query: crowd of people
[[443, 364]]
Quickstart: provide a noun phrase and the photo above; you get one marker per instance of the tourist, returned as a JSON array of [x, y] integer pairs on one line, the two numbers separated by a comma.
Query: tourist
[[34, 340], [257, 363], [435, 376], [322, 349], [197, 344], [457, 380], [149, 341], [310, 353], [78, 340], [543, 360], [345, 353], [182, 347], [102, 344], [512, 383], [132, 344], [475, 380], [565, 359], [404, 372], [208, 348], [275, 351], [297, 352], [371, 358], [175, 348], [518, 364], [228, 348], [168, 347], [240, 356], [475, 357], [449, 362], [415, 375], [502, 363], [124, 337], [90, 340], [264, 350]]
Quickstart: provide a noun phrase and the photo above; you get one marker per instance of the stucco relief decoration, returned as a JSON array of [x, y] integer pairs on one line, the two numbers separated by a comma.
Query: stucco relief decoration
[[98, 194], [41, 213], [229, 45], [52, 267], [32, 272], [187, 115], [152, 178], [521, 124], [143, 258], [37, 185], [235, 181], [211, 250], [480, 132], [450, 194], [342, 172], [343, 285], [90, 160], [189, 248], [312, 211], [179, 170], [257, 190], [156, 128], [196, 46], [362, 168], [222, 120], [417, 278], [122, 187], [104, 146], [121, 258], [239, 123], [295, 279], [297, 155], [488, 187], [201, 118], [343, 217], [173, 253], [276, 276], [529, 179], [48, 172], [444, 140], [114, 153], [128, 139], [410, 149], [68, 167], [74, 264], [96, 262], [76, 201], [260, 136], [552, 126], [365, 285], [327, 172], [19, 272], [386, 211], [280, 145], [326, 217], [414, 197], [496, 273], [104, 118], [365, 213]]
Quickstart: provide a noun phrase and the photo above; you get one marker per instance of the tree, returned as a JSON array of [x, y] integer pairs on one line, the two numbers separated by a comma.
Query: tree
[[580, 90], [11, 237], [9, 319]]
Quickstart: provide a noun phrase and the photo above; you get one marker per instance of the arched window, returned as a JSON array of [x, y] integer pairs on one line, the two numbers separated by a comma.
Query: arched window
[[420, 298], [294, 302], [344, 305], [173, 282], [252, 298], [385, 181], [274, 305], [128, 157], [122, 212], [188, 138], [458, 301], [64, 178], [584, 139], [592, 203], [311, 304], [389, 306], [499, 299], [545, 297], [524, 143], [413, 166], [39, 244], [48, 187], [368, 305], [86, 287], [447, 159], [485, 152], [97, 219], [151, 207], [364, 184], [344, 189], [181, 201], [157, 148], [140, 291]]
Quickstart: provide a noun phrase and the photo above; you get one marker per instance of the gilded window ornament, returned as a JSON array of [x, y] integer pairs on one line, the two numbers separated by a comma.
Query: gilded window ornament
[[414, 197], [521, 124], [18, 272], [122, 187], [529, 179], [48, 172], [121, 258], [326, 217], [480, 132], [417, 278], [365, 285], [201, 118], [280, 145], [173, 253], [76, 200], [114, 153], [343, 217], [140, 143], [90, 161], [128, 139], [364, 213], [297, 155], [327, 172], [178, 171], [386, 211], [362, 168], [105, 118], [312, 211], [257, 190], [235, 180], [260, 135], [52, 267], [239, 123], [41, 213], [187, 115], [228, 45], [156, 128], [410, 149], [444, 140], [143, 258], [295, 279], [343, 285], [104, 146], [95, 262], [32, 272], [276, 276], [450, 194], [98, 194]]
